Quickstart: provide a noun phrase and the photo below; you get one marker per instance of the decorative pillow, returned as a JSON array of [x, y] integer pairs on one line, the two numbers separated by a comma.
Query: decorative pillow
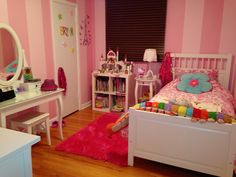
[[11, 68], [212, 74], [194, 83]]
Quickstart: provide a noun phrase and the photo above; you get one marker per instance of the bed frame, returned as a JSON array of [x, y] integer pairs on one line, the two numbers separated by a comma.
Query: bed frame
[[204, 147], [204, 62]]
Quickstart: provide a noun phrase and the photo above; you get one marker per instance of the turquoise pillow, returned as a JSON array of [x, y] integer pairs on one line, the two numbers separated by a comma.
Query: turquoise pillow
[[12, 67], [194, 83]]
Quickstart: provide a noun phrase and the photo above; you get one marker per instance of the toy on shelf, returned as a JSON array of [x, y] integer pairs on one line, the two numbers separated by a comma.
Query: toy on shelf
[[101, 101], [194, 114], [144, 98], [27, 73], [111, 64], [119, 103], [119, 124]]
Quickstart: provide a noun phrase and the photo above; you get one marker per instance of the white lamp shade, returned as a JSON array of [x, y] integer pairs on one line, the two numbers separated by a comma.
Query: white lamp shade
[[150, 55]]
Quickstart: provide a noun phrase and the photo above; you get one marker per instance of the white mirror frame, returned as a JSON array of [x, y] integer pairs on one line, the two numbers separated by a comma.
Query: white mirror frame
[[19, 53]]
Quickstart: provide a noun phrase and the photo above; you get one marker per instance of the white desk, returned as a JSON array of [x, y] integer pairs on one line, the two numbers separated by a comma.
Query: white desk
[[15, 153], [30, 99]]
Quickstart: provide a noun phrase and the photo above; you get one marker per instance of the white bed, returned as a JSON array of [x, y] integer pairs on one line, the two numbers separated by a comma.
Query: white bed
[[209, 147]]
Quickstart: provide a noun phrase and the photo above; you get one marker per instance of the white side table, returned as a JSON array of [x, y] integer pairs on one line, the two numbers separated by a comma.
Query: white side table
[[143, 81]]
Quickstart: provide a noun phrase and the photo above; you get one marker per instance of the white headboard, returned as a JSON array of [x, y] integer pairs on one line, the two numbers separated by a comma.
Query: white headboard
[[208, 62]]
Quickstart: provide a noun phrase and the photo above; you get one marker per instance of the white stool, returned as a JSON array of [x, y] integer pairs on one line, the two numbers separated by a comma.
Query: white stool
[[29, 120]]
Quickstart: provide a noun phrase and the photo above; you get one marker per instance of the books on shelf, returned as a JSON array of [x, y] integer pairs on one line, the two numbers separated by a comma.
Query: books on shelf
[[102, 84], [112, 92], [119, 85]]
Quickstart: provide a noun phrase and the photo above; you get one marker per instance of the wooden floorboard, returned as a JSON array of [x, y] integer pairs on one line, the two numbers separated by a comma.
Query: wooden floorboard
[[50, 163]]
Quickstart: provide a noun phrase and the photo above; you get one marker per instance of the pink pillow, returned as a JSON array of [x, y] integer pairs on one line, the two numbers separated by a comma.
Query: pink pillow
[[212, 74]]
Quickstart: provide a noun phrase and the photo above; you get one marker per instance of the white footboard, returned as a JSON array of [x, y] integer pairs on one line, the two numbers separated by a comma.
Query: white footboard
[[204, 147]]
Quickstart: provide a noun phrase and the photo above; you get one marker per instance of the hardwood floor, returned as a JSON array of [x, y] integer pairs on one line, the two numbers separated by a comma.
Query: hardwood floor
[[50, 163]]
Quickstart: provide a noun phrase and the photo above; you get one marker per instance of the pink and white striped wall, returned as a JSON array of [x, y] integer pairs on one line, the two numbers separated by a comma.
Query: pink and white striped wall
[[193, 26], [202, 26], [32, 22], [29, 20]]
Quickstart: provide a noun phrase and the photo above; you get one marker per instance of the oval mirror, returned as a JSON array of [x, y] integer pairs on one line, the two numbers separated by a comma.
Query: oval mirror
[[11, 58]]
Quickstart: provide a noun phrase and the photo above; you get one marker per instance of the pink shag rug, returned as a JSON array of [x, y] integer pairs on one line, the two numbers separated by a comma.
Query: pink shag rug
[[94, 141]]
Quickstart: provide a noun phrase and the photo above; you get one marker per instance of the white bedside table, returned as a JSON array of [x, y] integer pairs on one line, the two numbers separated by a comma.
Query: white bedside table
[[143, 81]]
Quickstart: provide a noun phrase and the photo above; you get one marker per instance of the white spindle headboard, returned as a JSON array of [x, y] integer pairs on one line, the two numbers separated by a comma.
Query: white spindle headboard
[[204, 62]]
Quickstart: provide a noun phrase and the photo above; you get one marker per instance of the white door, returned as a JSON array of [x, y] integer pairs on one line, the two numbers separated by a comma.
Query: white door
[[64, 27]]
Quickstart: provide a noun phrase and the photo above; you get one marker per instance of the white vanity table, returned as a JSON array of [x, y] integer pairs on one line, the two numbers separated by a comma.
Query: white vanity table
[[15, 153], [12, 61], [15, 147], [30, 99]]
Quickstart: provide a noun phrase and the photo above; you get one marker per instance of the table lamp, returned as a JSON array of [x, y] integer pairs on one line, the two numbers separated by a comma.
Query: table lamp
[[150, 55]]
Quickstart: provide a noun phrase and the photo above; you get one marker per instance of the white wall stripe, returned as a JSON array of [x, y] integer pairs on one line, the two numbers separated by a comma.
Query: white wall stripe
[[3, 12], [36, 36], [36, 42], [192, 26]]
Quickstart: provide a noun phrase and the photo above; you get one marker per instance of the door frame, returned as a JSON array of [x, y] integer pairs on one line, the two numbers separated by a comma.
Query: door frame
[[77, 44]]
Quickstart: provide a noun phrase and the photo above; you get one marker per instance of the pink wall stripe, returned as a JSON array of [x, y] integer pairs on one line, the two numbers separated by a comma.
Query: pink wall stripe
[[81, 4], [100, 42], [211, 27], [91, 13], [91, 47], [228, 37], [48, 47], [17, 19], [192, 26], [7, 47], [3, 11], [174, 25]]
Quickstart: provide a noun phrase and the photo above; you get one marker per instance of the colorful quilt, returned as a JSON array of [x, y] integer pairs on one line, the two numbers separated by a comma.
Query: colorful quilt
[[217, 99]]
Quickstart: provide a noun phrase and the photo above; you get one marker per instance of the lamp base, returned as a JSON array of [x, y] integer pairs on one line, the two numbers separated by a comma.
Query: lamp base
[[149, 74]]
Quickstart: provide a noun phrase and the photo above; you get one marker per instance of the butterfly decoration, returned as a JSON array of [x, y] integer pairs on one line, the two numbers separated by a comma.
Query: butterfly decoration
[[85, 33]]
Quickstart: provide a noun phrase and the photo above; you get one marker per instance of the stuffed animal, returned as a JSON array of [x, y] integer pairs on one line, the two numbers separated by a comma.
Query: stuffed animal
[[141, 71], [182, 111], [228, 118], [161, 107], [189, 112], [168, 108], [154, 106], [203, 116], [174, 109], [195, 114], [212, 117], [148, 106], [219, 117], [142, 106]]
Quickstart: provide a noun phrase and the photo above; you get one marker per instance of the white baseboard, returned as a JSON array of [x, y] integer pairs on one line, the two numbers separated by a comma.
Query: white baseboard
[[85, 105]]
